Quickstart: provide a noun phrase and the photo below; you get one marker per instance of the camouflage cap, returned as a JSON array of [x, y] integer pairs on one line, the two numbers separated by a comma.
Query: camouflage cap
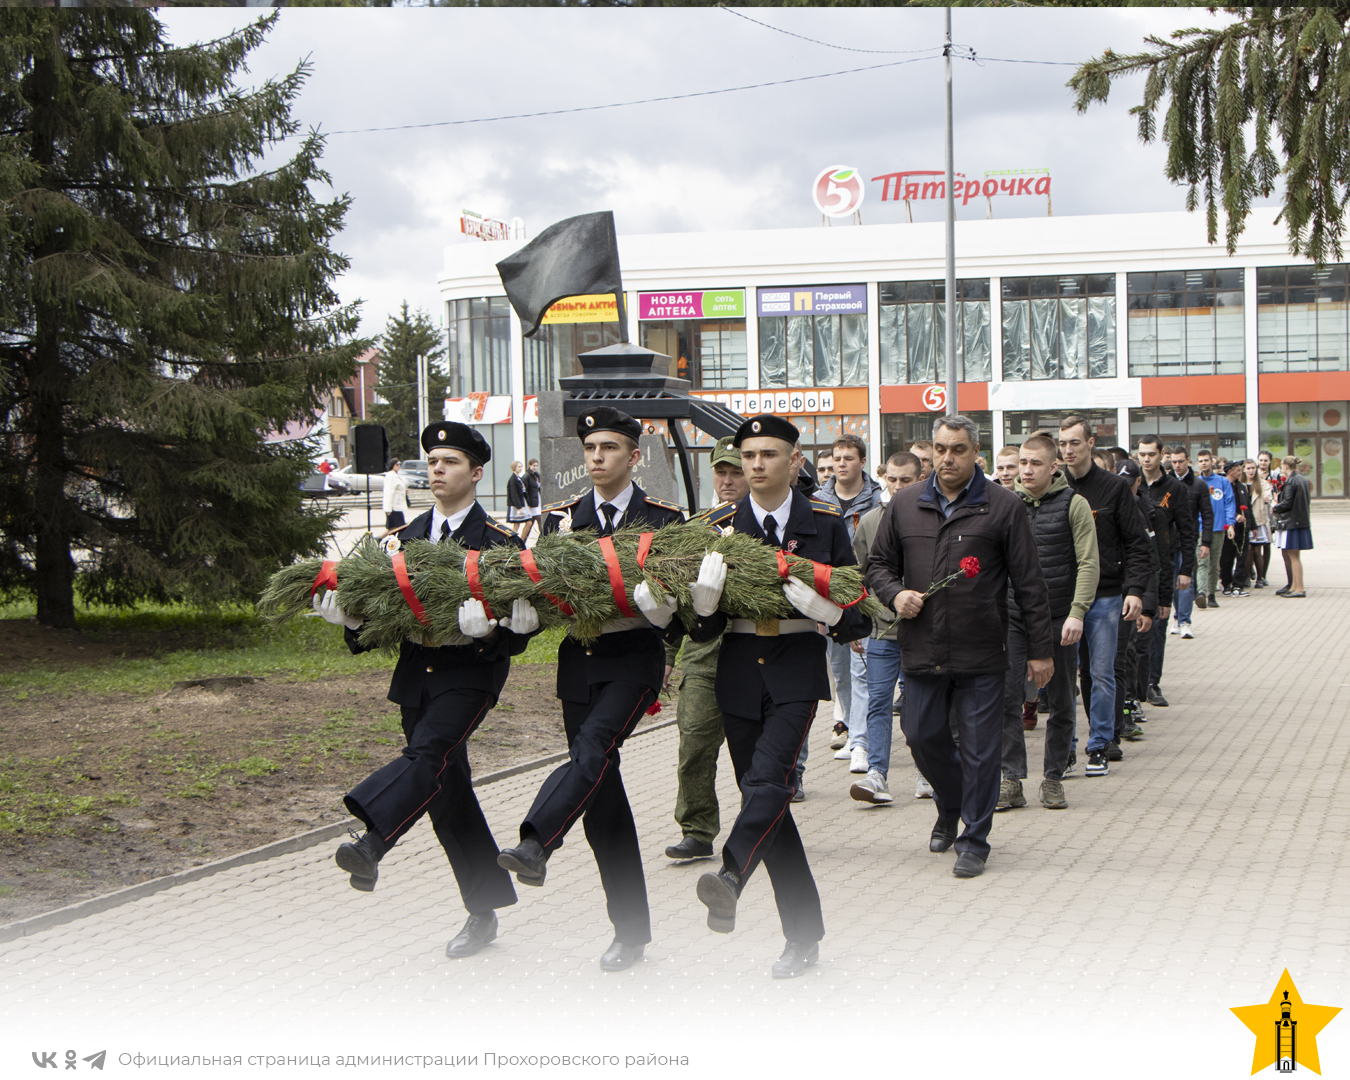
[[724, 451]]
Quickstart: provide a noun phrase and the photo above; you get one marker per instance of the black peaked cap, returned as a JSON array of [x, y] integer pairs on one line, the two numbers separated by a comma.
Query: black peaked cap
[[766, 424], [605, 418], [449, 435]]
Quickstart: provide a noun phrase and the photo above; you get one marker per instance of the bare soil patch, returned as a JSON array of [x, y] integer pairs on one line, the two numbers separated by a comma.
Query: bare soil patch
[[102, 791]]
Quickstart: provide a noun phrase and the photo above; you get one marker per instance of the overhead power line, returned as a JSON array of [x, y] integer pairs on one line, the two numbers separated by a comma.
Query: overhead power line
[[815, 41]]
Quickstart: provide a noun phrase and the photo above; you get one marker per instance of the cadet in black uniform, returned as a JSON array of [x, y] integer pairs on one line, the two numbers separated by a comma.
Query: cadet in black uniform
[[769, 678], [605, 689], [444, 693]]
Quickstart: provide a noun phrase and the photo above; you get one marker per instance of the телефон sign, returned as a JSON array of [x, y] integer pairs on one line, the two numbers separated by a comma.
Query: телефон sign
[[814, 300], [701, 304]]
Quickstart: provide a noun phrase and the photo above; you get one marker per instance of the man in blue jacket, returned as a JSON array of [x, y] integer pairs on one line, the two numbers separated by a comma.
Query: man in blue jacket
[[1225, 518]]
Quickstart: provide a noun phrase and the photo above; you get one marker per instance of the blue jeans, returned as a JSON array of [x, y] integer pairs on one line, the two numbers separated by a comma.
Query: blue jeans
[[1184, 599], [1101, 632], [883, 670], [850, 681]]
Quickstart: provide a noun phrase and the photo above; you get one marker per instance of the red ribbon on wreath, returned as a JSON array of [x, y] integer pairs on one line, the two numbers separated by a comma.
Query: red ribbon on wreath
[[475, 582], [616, 585], [405, 587], [531, 569], [326, 578], [820, 573]]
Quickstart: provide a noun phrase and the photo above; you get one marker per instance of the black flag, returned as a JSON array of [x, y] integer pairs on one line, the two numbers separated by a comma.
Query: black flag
[[572, 257]]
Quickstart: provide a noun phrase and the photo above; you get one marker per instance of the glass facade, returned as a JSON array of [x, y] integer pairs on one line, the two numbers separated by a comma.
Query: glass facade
[[812, 350], [1186, 322], [898, 430], [913, 326], [710, 354], [1059, 327], [553, 354], [1017, 426], [1315, 431], [1220, 429], [480, 339], [1302, 321]]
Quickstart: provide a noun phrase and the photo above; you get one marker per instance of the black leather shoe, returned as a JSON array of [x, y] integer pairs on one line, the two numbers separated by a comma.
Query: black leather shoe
[[362, 860], [478, 931], [968, 864], [528, 861], [796, 958], [619, 956], [944, 836], [719, 892], [690, 848]]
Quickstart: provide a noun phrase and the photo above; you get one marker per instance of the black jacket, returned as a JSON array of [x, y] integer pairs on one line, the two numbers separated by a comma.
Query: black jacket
[[531, 480], [963, 628], [791, 667], [482, 665], [1156, 528], [1122, 541], [1202, 507], [637, 655], [515, 492], [1294, 509], [1175, 506]]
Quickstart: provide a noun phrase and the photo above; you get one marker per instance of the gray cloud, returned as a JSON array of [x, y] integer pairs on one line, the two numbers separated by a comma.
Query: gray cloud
[[742, 160]]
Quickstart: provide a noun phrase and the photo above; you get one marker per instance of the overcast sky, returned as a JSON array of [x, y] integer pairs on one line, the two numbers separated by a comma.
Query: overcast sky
[[743, 160]]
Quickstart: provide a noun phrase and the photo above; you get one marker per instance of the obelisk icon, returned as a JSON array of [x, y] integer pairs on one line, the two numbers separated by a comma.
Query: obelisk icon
[[1285, 1030]]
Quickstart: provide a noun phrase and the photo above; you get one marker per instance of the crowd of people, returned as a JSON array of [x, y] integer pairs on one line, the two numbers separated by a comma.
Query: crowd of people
[[1051, 580]]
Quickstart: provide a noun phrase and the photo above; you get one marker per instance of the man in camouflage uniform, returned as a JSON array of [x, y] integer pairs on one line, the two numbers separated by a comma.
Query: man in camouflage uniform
[[697, 715]]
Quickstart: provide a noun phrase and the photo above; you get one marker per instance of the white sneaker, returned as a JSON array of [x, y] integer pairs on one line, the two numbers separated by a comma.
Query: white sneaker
[[871, 788], [1175, 628], [838, 742], [1186, 630], [922, 788], [844, 754], [858, 764]]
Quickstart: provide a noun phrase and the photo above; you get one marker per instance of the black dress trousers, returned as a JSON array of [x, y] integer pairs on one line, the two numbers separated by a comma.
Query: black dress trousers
[[588, 786], [764, 751], [432, 777]]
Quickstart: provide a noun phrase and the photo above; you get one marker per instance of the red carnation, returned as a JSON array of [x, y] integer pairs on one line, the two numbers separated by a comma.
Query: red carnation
[[970, 565], [655, 708]]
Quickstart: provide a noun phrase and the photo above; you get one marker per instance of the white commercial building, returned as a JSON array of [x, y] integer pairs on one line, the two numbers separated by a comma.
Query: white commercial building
[[1132, 318]]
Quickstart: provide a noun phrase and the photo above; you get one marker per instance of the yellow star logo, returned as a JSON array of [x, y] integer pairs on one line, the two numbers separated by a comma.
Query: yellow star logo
[[1286, 1029]]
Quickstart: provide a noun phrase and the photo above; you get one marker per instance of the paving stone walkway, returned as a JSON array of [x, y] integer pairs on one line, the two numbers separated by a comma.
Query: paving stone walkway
[[1109, 939]]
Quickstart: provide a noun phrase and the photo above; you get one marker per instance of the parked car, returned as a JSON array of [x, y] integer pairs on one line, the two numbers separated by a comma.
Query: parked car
[[415, 472], [356, 481]]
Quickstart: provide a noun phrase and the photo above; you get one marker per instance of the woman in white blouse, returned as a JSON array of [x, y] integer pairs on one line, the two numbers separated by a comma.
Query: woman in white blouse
[[395, 498]]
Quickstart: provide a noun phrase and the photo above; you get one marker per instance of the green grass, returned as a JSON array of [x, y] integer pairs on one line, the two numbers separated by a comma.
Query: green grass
[[192, 644], [40, 794]]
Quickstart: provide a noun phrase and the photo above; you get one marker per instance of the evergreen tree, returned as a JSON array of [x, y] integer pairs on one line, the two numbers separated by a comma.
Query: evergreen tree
[[165, 303], [405, 339], [1280, 68]]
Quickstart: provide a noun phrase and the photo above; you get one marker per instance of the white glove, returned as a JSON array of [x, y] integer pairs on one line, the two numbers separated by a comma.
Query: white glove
[[523, 618], [810, 603], [706, 592], [657, 614], [473, 620], [328, 608]]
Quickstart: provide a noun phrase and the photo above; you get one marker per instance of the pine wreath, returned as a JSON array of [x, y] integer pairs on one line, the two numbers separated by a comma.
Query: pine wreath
[[574, 583]]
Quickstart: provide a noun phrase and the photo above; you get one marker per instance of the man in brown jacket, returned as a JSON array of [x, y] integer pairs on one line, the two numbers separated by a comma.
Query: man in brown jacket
[[953, 642]]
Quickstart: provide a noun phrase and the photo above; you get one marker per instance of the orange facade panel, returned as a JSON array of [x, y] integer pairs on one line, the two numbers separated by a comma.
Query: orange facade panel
[[970, 397], [1194, 390], [1304, 386]]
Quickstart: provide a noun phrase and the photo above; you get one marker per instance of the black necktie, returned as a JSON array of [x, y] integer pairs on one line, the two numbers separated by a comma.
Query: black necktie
[[608, 510], [771, 530], [445, 529]]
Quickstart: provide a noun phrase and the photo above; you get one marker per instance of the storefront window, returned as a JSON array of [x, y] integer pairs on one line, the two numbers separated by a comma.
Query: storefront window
[[1059, 327], [913, 323], [1220, 429], [1186, 322], [1302, 318], [553, 354], [1314, 431], [480, 337], [1017, 426], [901, 429], [711, 355], [820, 339]]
